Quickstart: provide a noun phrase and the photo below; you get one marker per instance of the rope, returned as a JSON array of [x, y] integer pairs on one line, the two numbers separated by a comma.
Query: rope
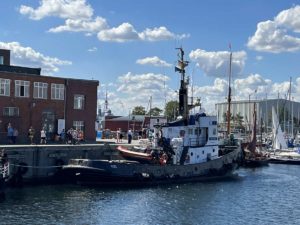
[[40, 167]]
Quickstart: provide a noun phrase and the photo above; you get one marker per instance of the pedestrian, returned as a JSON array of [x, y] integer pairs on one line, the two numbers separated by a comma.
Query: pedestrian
[[31, 133], [63, 136], [15, 135], [121, 136], [10, 133], [118, 135], [129, 136], [43, 136], [74, 136]]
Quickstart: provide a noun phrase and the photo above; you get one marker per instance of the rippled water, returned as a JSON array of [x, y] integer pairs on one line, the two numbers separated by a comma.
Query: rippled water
[[267, 195]]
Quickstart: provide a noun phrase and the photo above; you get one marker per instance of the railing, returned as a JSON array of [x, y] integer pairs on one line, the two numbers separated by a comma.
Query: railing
[[4, 170]]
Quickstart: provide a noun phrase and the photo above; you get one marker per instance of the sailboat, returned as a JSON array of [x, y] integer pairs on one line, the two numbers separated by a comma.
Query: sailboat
[[184, 150], [253, 157], [281, 153]]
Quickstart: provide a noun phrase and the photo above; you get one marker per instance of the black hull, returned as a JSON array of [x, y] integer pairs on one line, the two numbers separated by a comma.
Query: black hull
[[89, 177], [129, 173], [254, 163], [285, 161]]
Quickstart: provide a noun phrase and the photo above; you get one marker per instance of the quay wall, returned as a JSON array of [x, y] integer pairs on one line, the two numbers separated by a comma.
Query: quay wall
[[37, 163]]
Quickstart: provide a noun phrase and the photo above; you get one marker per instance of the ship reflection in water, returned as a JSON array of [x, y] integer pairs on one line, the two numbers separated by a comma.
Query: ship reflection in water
[[266, 195]]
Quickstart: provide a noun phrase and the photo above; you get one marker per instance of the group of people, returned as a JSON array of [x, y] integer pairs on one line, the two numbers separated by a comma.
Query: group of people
[[120, 136], [72, 136]]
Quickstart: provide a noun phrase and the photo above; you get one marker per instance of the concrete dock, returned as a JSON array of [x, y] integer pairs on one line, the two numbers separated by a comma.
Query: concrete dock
[[39, 163]]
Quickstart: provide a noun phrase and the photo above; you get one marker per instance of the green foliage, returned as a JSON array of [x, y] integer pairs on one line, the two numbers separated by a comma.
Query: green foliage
[[155, 111], [172, 110], [138, 110]]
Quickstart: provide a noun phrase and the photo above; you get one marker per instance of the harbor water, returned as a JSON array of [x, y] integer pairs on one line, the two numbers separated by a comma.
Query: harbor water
[[268, 195]]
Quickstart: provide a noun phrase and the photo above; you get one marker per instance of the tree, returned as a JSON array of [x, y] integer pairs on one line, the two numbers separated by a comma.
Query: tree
[[138, 110], [172, 110], [155, 111]]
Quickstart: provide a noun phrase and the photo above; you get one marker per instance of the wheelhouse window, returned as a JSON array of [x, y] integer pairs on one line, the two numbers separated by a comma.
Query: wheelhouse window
[[78, 101], [40, 90], [10, 111], [22, 88], [57, 91], [1, 60], [78, 125], [4, 87]]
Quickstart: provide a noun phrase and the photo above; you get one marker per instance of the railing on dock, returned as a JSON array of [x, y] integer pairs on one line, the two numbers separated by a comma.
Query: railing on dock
[[4, 170]]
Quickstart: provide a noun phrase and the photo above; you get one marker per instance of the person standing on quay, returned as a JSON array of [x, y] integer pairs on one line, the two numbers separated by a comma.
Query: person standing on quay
[[31, 133], [43, 136], [10, 133], [15, 135], [118, 135], [129, 136]]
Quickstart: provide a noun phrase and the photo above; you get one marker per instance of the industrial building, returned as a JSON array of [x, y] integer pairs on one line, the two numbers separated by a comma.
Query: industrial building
[[285, 109], [28, 98]]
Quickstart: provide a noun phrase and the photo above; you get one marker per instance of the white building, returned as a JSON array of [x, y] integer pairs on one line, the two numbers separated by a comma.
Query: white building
[[264, 112]]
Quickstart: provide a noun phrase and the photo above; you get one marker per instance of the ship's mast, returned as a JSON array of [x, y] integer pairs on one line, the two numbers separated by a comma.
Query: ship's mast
[[229, 94], [183, 92]]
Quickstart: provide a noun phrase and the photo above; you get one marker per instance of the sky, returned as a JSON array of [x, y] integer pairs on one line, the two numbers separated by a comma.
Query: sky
[[130, 47]]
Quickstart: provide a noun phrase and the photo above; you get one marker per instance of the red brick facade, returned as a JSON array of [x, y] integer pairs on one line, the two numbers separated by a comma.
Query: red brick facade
[[37, 112]]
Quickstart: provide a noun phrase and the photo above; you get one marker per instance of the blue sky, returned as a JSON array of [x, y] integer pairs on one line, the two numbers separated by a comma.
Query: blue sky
[[129, 46]]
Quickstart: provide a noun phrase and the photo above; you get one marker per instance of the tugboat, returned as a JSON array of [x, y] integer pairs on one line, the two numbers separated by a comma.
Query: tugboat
[[185, 150]]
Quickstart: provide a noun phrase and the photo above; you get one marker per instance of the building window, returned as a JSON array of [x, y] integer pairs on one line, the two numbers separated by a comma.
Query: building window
[[1, 60], [57, 91], [22, 88], [10, 111], [78, 125], [4, 87], [40, 90], [78, 101]]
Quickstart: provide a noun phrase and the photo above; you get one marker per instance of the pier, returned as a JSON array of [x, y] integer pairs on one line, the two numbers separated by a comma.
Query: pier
[[39, 163]]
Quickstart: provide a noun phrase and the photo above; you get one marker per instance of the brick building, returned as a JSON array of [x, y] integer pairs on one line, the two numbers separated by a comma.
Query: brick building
[[28, 98]]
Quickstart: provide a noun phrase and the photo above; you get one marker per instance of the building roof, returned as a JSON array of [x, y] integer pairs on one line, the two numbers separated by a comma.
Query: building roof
[[20, 69]]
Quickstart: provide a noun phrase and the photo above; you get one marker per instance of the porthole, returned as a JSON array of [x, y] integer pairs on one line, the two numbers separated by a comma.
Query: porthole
[[192, 153]]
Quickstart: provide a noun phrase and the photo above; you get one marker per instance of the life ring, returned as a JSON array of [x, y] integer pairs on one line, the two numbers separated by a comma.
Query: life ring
[[22, 168], [163, 159]]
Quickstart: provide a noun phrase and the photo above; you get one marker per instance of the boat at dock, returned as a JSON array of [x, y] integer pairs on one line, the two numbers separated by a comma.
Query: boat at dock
[[184, 150]]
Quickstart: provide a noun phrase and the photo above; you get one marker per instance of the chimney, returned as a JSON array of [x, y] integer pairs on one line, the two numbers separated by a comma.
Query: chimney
[[5, 57]]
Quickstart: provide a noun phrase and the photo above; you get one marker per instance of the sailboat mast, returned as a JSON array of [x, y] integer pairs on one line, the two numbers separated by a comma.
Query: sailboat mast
[[229, 94]]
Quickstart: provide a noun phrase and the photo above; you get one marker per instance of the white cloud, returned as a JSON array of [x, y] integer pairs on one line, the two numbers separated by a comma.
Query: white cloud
[[289, 18], [159, 34], [122, 33], [93, 49], [27, 56], [132, 90], [217, 63], [125, 91], [126, 32], [66, 9], [275, 35], [78, 25], [78, 15], [155, 61]]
